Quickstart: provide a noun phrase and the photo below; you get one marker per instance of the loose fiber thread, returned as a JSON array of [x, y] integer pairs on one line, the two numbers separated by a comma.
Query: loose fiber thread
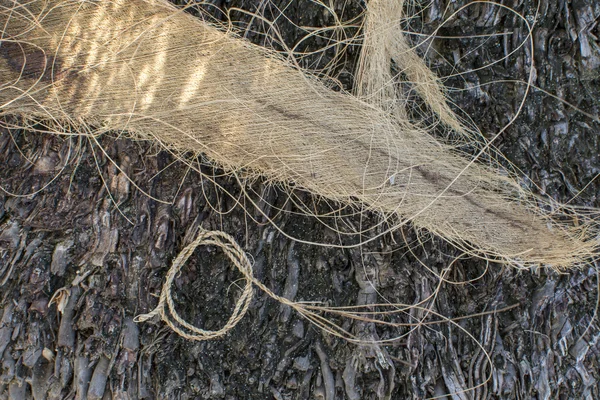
[[151, 70]]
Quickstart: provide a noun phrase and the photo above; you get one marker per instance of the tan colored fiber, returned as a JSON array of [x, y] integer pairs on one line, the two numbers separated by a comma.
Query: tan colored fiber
[[166, 306], [149, 69], [385, 42]]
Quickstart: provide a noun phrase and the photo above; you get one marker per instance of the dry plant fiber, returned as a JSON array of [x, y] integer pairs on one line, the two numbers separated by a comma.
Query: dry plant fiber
[[385, 42], [146, 68]]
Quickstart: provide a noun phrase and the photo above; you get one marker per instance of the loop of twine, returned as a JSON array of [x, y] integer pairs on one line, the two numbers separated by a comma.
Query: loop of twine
[[170, 315], [239, 258]]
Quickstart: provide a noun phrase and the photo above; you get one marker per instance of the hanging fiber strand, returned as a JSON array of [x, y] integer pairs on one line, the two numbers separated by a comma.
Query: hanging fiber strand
[[150, 70]]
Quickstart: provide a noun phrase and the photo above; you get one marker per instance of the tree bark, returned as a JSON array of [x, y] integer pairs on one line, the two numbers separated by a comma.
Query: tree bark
[[89, 252]]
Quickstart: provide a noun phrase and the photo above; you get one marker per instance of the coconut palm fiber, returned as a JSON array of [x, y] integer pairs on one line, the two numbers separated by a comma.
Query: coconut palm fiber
[[145, 68]]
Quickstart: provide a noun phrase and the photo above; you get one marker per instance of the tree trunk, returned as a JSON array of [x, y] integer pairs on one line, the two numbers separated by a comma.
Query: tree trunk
[[89, 251]]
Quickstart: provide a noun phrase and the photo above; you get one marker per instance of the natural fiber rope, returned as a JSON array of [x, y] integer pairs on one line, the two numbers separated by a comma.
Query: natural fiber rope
[[239, 258], [170, 315]]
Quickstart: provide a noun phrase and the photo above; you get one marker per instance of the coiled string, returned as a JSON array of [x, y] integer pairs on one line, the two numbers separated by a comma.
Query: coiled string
[[166, 306]]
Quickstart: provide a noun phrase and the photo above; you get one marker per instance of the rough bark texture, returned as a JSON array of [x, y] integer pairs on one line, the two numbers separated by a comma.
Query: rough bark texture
[[70, 244]]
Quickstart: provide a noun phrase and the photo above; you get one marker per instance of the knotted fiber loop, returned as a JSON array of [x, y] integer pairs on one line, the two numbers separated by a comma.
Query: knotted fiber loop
[[169, 313]]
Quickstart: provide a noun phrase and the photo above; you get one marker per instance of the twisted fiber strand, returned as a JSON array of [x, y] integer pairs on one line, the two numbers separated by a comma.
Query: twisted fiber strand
[[170, 315], [241, 261]]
